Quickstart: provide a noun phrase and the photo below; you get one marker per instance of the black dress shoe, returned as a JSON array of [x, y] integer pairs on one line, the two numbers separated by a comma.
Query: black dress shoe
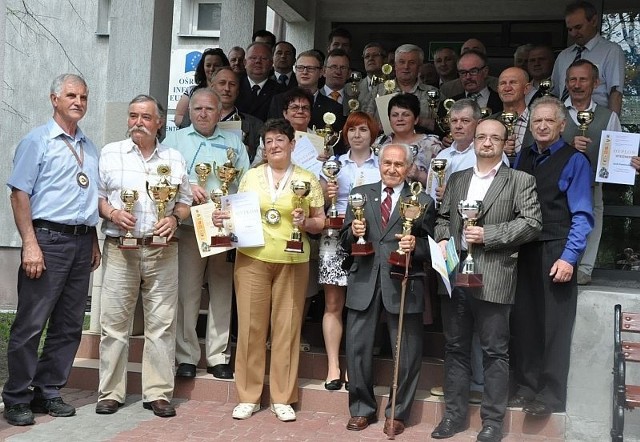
[[537, 408], [160, 407], [518, 401], [446, 428], [107, 406], [186, 371], [221, 371], [490, 433], [19, 414], [333, 385], [55, 407]]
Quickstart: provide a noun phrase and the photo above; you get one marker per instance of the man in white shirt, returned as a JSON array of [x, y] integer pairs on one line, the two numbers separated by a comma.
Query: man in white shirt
[[582, 23]]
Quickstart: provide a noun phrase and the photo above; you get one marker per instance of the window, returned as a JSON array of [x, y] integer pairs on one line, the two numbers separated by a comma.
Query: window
[[200, 18]]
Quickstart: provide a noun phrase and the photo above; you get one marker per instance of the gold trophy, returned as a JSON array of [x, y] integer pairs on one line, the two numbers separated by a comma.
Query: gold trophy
[[509, 119], [300, 189], [443, 122], [220, 239], [352, 90], [202, 172], [387, 79], [433, 98], [129, 198], [161, 193], [227, 172], [331, 169], [470, 211], [439, 166], [361, 247], [545, 87], [331, 138], [410, 210], [584, 118]]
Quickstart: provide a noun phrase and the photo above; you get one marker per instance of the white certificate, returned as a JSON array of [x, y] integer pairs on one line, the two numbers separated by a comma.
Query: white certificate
[[232, 126], [438, 263], [382, 104], [204, 229], [245, 226], [614, 157], [305, 155], [315, 139]]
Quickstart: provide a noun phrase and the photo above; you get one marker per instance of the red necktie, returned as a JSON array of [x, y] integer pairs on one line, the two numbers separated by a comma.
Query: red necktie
[[385, 207]]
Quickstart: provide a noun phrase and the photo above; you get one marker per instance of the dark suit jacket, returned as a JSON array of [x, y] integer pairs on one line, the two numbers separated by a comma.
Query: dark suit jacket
[[258, 107], [510, 217], [293, 81], [251, 127], [367, 271]]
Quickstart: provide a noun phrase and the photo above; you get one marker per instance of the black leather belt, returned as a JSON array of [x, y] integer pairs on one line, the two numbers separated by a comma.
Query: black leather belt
[[80, 229], [141, 241]]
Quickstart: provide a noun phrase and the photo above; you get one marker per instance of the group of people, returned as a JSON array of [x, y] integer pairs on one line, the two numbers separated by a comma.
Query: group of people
[[536, 236]]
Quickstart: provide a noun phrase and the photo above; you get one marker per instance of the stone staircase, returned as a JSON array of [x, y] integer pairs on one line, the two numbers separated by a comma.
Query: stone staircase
[[313, 396]]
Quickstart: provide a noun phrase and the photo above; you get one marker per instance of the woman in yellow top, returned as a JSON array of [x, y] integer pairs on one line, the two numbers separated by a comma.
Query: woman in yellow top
[[271, 282]]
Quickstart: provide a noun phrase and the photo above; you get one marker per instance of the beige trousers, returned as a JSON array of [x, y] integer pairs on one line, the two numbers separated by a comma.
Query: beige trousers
[[269, 295]]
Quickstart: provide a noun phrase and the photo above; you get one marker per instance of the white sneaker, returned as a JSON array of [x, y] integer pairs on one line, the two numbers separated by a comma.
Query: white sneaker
[[244, 410], [283, 412]]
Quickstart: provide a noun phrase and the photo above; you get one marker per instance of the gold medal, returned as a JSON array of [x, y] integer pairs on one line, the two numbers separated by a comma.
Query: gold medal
[[272, 216], [82, 179]]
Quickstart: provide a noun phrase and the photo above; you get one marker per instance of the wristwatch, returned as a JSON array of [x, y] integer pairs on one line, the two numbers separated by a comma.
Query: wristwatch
[[178, 220]]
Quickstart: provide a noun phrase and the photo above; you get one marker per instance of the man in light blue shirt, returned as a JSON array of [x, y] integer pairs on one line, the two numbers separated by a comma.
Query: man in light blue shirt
[[203, 142], [54, 199]]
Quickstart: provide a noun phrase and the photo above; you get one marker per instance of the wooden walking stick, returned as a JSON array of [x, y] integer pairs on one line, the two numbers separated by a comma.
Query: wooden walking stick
[[396, 363]]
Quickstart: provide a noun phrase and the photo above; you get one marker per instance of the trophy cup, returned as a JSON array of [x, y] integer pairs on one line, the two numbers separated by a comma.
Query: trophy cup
[[439, 166], [353, 91], [202, 171], [388, 81], [433, 98], [331, 169], [361, 247], [129, 198], [331, 138], [443, 122], [545, 87], [300, 189], [220, 239], [584, 118], [509, 119], [227, 172], [469, 210], [410, 210], [161, 193]]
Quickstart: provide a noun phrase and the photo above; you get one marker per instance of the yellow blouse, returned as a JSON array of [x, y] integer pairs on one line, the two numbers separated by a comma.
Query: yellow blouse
[[277, 235]]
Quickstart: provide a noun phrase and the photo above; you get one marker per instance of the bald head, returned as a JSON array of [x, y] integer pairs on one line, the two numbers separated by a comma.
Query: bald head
[[513, 85]]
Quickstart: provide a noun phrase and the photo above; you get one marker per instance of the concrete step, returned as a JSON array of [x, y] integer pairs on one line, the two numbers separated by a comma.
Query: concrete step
[[312, 394]]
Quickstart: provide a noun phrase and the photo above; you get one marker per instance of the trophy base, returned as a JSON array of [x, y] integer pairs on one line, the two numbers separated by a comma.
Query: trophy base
[[294, 246], [334, 223], [159, 241], [128, 243], [221, 241], [362, 249], [398, 259], [469, 280]]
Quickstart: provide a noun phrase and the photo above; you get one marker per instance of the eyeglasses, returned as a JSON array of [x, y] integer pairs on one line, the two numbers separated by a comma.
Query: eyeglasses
[[296, 108], [473, 72], [334, 68], [493, 139], [300, 68]]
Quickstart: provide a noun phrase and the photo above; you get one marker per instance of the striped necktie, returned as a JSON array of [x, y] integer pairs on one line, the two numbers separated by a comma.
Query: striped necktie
[[565, 92], [385, 207]]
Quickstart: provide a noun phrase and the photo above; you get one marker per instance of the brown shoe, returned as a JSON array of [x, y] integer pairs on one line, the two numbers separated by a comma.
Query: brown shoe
[[160, 407], [398, 426], [359, 423], [107, 406]]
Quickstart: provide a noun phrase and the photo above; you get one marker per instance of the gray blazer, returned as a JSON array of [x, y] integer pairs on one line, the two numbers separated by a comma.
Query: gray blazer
[[368, 271], [510, 217]]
